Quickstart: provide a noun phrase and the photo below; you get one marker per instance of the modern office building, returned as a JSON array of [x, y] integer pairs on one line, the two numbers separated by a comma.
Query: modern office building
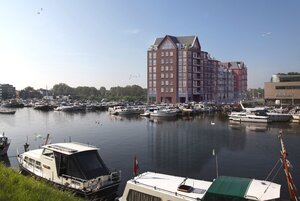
[[7, 91], [179, 71], [283, 89]]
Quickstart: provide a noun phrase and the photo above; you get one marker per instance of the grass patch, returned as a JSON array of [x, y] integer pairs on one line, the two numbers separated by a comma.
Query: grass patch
[[14, 186]]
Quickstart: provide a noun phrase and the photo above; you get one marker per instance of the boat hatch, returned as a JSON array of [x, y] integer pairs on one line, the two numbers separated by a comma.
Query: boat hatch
[[185, 188], [228, 188]]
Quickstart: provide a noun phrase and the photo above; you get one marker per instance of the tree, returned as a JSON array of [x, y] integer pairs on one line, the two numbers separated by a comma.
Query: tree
[[102, 91], [62, 89]]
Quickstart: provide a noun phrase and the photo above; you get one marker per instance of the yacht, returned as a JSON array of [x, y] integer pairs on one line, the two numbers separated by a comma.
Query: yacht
[[121, 110], [257, 116], [163, 112], [73, 166], [162, 187], [4, 145]]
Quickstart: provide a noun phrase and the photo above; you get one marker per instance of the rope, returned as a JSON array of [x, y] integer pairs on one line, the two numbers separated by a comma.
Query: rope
[[272, 170]]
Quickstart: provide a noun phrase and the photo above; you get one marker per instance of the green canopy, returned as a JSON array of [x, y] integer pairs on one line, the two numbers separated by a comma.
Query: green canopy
[[227, 188]]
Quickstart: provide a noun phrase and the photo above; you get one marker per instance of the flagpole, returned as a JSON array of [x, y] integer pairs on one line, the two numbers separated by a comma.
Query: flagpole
[[217, 168]]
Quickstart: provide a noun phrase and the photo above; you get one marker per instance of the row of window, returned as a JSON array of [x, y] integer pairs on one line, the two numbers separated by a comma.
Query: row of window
[[287, 87], [162, 61], [166, 82], [166, 68], [152, 55], [166, 54], [166, 89], [166, 75]]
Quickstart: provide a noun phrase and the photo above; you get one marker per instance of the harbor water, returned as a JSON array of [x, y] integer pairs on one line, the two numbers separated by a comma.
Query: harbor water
[[180, 146]]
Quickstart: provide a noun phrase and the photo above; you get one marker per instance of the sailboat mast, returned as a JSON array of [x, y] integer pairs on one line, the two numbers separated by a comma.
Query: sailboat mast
[[291, 186]]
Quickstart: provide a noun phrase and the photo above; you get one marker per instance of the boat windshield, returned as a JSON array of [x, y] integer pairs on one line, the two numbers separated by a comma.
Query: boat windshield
[[84, 165]]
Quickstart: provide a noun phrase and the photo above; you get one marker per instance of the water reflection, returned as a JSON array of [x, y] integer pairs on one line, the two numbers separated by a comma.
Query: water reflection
[[248, 127]]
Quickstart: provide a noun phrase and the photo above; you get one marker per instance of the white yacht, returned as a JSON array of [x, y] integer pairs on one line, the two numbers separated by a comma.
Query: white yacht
[[163, 112], [121, 110], [73, 166], [258, 116], [161, 187]]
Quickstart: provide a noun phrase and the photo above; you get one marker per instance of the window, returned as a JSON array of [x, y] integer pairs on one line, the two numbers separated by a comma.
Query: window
[[162, 75], [154, 55], [167, 89], [135, 195], [154, 76], [162, 83], [171, 54], [162, 61], [150, 76], [154, 62], [167, 45], [184, 53], [167, 75], [171, 82], [167, 53], [48, 153], [154, 69], [154, 83], [150, 69], [162, 89], [167, 82], [167, 68], [171, 61], [150, 62], [171, 68], [171, 89], [150, 84], [162, 54], [150, 55], [162, 68]]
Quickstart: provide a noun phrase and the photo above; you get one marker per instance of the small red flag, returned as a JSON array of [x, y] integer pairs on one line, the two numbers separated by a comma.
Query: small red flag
[[135, 166]]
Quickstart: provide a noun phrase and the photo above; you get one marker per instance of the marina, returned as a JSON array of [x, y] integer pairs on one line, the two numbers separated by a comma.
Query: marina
[[179, 146]]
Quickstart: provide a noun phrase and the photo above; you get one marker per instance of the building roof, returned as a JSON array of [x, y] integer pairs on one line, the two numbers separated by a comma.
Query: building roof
[[177, 39]]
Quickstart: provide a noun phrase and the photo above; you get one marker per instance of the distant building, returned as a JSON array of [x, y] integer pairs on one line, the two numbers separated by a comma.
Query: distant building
[[7, 91], [239, 71], [179, 71], [283, 89]]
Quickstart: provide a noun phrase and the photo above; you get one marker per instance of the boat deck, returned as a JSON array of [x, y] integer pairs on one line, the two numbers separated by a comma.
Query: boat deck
[[169, 184]]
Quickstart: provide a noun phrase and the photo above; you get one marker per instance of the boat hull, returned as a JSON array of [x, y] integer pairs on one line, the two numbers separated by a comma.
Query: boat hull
[[108, 192]]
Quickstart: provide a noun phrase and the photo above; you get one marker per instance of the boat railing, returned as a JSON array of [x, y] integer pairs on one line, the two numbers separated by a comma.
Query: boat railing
[[74, 178], [167, 191]]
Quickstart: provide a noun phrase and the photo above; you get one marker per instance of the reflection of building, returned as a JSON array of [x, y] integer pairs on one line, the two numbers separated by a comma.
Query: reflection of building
[[283, 89], [7, 91], [179, 71]]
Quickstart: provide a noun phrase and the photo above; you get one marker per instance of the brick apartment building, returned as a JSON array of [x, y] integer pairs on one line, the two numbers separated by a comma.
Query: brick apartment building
[[179, 71]]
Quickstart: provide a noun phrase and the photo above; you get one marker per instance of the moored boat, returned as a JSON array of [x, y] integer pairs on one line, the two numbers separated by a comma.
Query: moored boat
[[2, 111], [163, 187], [73, 166], [4, 145]]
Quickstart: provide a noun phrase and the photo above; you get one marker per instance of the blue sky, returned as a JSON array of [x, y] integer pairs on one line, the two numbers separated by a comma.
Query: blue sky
[[104, 43]]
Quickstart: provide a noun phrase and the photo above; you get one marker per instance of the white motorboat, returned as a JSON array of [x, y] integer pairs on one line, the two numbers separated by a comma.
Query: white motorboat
[[121, 110], [73, 166], [163, 112], [4, 145], [253, 116], [162, 187]]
